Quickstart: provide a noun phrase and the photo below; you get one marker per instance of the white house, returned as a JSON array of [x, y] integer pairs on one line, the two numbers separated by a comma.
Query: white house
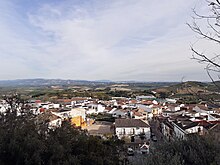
[[144, 148], [181, 129], [203, 109], [55, 123], [148, 111], [171, 100], [167, 129], [71, 113], [56, 106], [80, 101], [112, 111], [95, 108], [145, 97], [119, 113], [131, 127], [49, 117], [179, 132], [3, 108]]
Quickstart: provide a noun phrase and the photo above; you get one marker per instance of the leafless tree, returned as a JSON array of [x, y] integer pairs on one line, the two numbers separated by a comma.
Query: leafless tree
[[211, 32]]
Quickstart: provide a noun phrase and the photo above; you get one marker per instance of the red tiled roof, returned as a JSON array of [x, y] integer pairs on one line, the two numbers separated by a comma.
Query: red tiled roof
[[42, 109], [137, 113], [37, 101]]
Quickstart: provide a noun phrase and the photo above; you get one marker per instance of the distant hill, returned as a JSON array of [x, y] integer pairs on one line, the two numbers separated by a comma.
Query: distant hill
[[189, 84], [168, 87], [46, 82], [136, 85], [190, 87]]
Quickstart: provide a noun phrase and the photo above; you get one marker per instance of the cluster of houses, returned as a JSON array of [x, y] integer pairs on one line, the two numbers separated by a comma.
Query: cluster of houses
[[132, 116], [190, 119]]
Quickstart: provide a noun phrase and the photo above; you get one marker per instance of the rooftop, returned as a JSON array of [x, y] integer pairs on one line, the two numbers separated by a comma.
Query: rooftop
[[130, 123]]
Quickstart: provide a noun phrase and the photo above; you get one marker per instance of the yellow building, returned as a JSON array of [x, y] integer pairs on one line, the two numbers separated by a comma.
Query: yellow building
[[78, 121]]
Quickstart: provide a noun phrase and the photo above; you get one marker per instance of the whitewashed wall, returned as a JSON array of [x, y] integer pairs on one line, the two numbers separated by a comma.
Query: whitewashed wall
[[129, 131]]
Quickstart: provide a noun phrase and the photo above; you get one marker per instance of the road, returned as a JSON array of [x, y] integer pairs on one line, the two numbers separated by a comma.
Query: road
[[138, 157], [155, 128]]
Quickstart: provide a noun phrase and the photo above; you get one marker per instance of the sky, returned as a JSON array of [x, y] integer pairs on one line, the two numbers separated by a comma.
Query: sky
[[117, 40]]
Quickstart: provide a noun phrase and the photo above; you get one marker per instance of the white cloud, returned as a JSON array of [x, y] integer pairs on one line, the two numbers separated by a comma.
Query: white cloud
[[117, 40]]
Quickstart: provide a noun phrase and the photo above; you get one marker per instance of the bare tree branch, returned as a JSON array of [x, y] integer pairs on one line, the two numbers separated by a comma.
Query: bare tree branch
[[212, 79], [195, 28], [211, 33], [203, 58]]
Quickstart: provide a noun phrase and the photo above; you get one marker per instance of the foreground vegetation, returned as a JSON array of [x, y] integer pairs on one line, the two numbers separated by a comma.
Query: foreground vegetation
[[25, 141], [196, 150]]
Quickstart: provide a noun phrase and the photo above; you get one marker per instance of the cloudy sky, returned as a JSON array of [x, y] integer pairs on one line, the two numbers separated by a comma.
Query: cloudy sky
[[98, 40]]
